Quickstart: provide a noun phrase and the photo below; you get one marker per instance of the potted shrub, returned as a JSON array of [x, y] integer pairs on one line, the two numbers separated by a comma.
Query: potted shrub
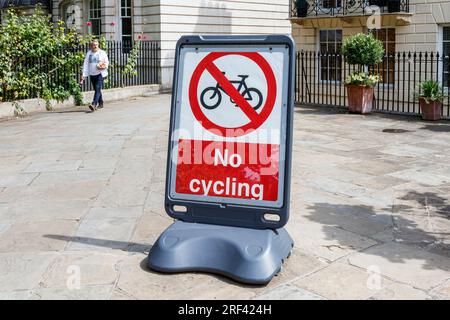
[[393, 5], [360, 88], [431, 96], [362, 50], [302, 8]]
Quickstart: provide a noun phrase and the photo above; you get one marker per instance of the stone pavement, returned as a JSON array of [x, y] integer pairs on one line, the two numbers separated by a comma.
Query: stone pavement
[[81, 197]]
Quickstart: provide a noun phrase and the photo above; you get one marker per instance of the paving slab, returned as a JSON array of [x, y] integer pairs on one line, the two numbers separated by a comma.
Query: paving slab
[[102, 292], [23, 271], [327, 242], [54, 192], [442, 291], [76, 176], [104, 234], [75, 270], [16, 295], [400, 291], [17, 179], [407, 264], [30, 210], [335, 281], [31, 236], [289, 292], [53, 166]]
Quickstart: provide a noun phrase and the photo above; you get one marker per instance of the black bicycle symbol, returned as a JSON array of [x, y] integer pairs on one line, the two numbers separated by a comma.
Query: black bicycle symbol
[[214, 96]]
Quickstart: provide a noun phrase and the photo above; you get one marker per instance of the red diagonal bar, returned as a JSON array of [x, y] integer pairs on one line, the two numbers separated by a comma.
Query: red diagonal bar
[[232, 92]]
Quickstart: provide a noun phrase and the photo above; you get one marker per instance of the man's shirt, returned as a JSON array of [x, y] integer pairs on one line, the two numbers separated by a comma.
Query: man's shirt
[[91, 61]]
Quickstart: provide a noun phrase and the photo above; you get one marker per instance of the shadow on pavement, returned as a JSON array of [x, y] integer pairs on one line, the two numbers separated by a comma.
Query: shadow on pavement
[[72, 111], [412, 224], [311, 109], [436, 127], [219, 277], [112, 244]]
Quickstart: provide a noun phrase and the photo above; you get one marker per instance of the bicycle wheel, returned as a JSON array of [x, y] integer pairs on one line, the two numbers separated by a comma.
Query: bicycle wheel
[[211, 101], [256, 95]]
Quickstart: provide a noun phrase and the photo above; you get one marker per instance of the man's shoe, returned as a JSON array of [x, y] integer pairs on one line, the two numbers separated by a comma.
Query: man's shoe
[[100, 105], [92, 107]]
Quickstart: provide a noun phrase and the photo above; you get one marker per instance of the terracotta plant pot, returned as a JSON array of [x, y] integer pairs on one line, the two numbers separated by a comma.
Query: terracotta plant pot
[[360, 98], [431, 110]]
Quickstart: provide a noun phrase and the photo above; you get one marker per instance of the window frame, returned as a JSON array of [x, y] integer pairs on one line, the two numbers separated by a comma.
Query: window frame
[[319, 71], [130, 16], [99, 18], [382, 83], [440, 49]]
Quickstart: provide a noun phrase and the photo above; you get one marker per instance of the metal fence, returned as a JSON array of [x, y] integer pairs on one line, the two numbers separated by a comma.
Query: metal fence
[[147, 67], [320, 80], [317, 8]]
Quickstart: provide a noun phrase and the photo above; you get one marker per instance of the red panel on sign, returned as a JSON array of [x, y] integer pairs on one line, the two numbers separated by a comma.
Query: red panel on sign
[[228, 169]]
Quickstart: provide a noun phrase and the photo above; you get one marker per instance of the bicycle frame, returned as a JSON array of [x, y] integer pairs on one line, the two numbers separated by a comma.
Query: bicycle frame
[[241, 82]]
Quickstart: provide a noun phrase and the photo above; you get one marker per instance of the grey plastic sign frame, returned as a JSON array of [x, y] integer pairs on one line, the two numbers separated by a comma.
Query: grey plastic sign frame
[[231, 211], [181, 86]]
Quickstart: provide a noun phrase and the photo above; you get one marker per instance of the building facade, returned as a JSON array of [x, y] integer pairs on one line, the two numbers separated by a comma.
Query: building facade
[[416, 38], [410, 25], [166, 21]]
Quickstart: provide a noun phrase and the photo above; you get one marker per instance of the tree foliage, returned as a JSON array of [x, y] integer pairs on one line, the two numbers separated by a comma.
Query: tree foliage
[[38, 58], [363, 49]]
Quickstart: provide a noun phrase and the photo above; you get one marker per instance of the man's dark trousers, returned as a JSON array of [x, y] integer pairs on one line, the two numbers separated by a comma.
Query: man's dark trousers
[[97, 83]]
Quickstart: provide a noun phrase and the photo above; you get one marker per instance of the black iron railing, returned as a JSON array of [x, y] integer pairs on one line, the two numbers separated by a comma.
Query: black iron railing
[[313, 8], [147, 64], [146, 71], [320, 80]]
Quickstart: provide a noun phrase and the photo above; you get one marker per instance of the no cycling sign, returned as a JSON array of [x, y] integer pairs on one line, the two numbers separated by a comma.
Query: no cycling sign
[[229, 158], [249, 100], [231, 125]]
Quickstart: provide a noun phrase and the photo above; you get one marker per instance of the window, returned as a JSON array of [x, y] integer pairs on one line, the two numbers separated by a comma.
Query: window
[[387, 68], [95, 17], [330, 53], [446, 56], [126, 23]]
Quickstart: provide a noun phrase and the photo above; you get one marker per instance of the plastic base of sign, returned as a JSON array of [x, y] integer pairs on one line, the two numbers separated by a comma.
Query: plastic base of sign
[[249, 256]]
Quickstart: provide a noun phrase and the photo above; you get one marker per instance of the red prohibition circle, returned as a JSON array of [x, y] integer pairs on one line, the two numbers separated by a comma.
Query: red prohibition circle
[[258, 119]]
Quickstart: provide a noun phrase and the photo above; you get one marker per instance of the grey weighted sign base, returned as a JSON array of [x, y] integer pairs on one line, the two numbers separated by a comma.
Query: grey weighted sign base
[[246, 255]]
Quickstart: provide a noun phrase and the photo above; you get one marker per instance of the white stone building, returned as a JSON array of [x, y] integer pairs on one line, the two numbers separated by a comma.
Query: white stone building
[[166, 20]]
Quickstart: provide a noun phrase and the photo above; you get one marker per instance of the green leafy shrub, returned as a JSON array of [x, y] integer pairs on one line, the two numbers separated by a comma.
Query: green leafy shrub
[[363, 79], [363, 49], [130, 67], [431, 91], [38, 58]]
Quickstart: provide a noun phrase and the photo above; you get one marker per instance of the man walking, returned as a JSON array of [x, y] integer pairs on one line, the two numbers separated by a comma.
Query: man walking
[[96, 68]]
